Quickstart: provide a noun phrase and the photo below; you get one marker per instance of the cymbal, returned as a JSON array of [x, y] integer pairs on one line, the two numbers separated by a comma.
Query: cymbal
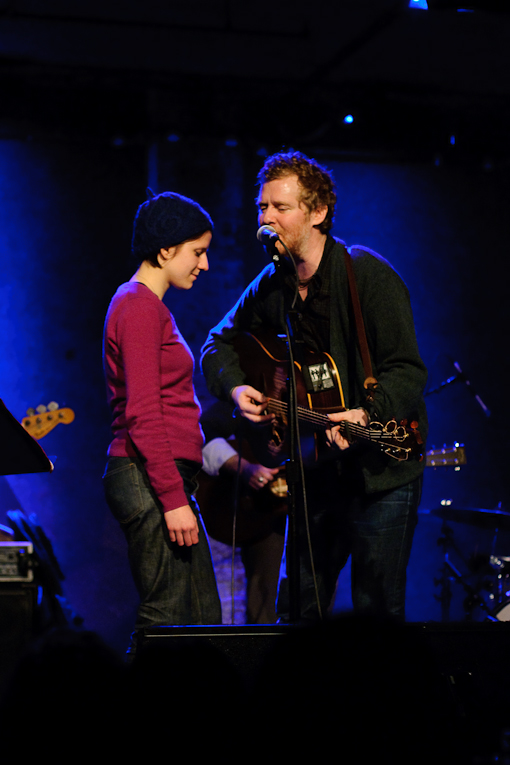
[[476, 516]]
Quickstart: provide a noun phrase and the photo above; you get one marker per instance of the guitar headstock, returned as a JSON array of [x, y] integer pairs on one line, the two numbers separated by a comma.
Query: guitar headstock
[[449, 456], [40, 421], [397, 440]]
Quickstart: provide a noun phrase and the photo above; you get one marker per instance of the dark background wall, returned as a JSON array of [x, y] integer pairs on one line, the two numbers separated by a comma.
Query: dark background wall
[[78, 146]]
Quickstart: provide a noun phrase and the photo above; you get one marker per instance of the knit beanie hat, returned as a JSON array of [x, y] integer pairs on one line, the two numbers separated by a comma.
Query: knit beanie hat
[[165, 221]]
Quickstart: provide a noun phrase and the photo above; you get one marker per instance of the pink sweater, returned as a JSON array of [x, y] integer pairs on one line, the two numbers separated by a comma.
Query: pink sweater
[[149, 378]]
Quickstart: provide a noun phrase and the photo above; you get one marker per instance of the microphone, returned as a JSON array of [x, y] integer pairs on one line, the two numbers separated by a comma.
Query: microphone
[[267, 235]]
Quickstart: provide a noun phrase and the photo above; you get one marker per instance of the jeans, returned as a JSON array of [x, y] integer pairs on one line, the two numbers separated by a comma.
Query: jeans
[[375, 529], [176, 585]]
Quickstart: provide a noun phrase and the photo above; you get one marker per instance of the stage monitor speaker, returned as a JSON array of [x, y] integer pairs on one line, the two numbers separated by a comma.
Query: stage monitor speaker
[[245, 647]]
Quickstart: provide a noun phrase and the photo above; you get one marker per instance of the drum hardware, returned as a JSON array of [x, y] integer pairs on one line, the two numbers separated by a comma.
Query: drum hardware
[[490, 594], [473, 599], [501, 613], [501, 567], [475, 516], [501, 605]]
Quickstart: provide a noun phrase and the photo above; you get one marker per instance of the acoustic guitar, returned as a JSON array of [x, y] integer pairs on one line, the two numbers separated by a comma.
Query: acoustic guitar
[[263, 359], [258, 512]]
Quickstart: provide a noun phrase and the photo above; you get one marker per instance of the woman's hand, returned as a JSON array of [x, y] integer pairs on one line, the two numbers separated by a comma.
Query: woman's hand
[[358, 416], [251, 403], [182, 526]]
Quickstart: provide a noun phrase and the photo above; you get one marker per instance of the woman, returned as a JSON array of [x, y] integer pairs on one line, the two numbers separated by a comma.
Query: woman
[[156, 451]]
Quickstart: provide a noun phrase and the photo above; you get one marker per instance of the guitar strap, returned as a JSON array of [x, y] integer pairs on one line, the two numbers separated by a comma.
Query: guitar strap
[[370, 381]]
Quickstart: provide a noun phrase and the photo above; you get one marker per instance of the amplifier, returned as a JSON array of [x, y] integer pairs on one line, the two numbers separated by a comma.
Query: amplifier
[[16, 562]]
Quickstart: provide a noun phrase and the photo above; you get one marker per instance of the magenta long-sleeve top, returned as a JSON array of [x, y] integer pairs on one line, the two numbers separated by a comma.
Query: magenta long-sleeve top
[[149, 377]]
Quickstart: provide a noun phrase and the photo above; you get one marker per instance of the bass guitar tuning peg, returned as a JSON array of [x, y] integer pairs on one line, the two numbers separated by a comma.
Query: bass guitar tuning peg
[[40, 409], [30, 412], [52, 406]]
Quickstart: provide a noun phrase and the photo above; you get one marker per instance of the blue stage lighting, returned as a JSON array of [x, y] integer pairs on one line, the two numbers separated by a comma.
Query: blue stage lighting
[[419, 4], [348, 119]]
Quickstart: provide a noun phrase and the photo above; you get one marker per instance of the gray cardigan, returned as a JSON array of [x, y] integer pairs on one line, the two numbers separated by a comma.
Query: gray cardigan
[[391, 337]]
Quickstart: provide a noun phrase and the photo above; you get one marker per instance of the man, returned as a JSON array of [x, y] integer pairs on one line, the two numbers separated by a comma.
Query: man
[[260, 501], [364, 503]]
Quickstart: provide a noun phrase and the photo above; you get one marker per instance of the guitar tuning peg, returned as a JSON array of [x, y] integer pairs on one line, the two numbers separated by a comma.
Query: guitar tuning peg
[[52, 406], [40, 409], [30, 412]]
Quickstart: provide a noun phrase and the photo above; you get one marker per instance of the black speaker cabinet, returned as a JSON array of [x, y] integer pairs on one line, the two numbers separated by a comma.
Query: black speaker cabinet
[[17, 623]]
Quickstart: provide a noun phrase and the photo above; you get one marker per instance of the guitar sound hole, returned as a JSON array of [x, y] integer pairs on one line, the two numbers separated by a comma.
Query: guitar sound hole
[[277, 437]]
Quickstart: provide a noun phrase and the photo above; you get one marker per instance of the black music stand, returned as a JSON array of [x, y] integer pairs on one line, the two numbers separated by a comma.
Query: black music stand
[[19, 452]]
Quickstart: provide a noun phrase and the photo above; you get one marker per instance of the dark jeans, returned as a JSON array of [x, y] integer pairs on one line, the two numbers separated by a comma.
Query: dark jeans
[[176, 584], [375, 529]]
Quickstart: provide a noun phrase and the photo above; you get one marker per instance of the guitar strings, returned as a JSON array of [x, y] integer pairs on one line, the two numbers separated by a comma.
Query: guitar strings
[[311, 417], [360, 431]]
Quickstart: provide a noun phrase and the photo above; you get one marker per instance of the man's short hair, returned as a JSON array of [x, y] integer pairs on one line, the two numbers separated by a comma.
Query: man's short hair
[[317, 184]]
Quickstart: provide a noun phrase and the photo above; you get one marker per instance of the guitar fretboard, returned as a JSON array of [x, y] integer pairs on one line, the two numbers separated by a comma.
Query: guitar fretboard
[[321, 421]]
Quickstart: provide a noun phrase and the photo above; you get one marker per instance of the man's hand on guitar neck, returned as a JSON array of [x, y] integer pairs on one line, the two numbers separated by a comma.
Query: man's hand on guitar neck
[[251, 404], [335, 438]]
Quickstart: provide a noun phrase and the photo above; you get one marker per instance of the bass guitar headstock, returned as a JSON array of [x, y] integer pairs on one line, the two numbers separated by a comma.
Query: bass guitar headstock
[[40, 421]]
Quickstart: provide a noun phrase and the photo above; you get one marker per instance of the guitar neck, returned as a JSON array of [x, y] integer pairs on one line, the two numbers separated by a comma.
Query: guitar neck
[[320, 421]]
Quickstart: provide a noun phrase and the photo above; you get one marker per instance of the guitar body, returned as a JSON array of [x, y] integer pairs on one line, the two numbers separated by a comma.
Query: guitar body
[[259, 513], [263, 359]]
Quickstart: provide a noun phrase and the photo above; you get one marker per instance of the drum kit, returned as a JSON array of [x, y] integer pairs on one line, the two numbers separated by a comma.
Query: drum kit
[[486, 584]]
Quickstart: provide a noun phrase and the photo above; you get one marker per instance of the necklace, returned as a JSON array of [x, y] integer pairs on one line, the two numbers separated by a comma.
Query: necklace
[[138, 281], [303, 283]]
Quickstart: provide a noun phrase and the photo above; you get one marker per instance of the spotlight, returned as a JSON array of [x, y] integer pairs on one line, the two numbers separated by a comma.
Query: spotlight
[[348, 119], [173, 138]]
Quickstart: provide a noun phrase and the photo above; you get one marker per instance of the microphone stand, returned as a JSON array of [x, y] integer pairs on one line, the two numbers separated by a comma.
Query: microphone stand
[[460, 377], [292, 466]]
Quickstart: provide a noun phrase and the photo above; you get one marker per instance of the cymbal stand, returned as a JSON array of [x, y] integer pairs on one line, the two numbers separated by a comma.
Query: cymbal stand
[[449, 573]]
